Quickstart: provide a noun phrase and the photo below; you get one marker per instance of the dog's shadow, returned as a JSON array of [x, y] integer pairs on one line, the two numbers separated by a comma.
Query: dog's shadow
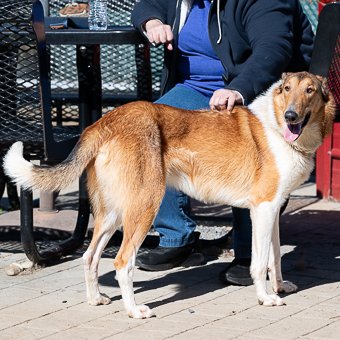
[[190, 282], [312, 242], [314, 239]]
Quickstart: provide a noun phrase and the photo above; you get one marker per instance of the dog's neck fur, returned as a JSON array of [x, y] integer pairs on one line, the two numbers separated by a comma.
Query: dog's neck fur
[[263, 108], [307, 152]]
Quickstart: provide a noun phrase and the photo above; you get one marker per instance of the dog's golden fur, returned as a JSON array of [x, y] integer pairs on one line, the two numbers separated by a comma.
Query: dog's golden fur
[[250, 157]]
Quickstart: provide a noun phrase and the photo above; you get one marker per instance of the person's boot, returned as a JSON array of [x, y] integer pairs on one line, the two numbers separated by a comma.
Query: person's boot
[[163, 258], [237, 273]]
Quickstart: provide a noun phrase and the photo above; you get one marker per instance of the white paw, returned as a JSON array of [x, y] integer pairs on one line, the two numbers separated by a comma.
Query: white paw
[[271, 300], [102, 299], [141, 312], [286, 287]]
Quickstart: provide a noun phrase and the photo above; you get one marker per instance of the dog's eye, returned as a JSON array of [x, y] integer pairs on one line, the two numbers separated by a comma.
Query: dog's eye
[[287, 88], [309, 90]]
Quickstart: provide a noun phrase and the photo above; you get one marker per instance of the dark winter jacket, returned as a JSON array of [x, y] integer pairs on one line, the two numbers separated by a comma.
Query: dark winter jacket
[[256, 40]]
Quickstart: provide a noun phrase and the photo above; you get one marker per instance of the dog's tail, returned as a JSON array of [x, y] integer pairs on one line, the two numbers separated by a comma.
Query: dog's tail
[[53, 178]]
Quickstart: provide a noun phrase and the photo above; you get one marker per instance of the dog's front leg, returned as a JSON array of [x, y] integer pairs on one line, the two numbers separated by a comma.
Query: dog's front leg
[[274, 265], [263, 219]]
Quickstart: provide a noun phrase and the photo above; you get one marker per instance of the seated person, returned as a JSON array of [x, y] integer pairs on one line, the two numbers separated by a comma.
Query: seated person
[[217, 55]]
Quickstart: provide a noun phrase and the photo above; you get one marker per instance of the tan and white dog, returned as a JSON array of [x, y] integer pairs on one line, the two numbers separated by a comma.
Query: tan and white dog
[[251, 158]]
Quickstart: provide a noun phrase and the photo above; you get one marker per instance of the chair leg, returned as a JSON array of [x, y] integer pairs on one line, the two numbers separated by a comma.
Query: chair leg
[[64, 248], [12, 194], [2, 182]]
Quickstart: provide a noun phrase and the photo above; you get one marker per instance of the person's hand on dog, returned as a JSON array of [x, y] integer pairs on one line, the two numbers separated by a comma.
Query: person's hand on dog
[[159, 33], [225, 99]]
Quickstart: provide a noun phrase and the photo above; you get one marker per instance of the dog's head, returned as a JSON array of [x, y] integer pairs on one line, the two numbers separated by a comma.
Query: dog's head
[[304, 108]]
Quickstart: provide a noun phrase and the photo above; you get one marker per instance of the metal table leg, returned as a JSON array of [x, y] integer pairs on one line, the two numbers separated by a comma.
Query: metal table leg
[[89, 82], [61, 249]]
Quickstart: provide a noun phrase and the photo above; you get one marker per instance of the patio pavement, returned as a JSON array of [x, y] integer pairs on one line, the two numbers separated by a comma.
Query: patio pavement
[[189, 302]]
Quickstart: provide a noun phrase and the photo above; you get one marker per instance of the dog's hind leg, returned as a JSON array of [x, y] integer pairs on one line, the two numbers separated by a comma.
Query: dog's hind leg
[[105, 226], [274, 264], [136, 221], [263, 219], [106, 221]]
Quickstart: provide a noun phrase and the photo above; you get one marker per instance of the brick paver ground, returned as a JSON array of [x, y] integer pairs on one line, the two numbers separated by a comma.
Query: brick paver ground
[[190, 303]]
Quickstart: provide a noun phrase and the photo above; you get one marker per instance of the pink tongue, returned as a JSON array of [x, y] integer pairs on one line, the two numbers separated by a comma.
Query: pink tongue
[[290, 136]]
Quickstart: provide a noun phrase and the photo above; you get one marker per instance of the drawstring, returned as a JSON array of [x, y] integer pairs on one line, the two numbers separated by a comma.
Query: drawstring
[[219, 23]]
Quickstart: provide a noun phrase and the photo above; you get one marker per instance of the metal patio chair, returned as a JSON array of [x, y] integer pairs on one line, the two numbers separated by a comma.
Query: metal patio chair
[[26, 115], [33, 117]]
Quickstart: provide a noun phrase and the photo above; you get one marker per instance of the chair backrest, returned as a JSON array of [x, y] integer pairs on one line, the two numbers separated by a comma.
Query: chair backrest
[[326, 55], [58, 141], [118, 64], [20, 113], [22, 117], [310, 8], [124, 71]]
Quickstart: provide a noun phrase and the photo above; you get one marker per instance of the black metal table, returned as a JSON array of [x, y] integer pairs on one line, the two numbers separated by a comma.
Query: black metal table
[[90, 107]]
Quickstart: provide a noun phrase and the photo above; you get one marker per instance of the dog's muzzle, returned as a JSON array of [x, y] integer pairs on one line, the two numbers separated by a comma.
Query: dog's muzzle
[[293, 130]]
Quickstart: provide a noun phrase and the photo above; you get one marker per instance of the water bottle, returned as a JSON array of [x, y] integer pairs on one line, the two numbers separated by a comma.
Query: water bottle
[[98, 15]]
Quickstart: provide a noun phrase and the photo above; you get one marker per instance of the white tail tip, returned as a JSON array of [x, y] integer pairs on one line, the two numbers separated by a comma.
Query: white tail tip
[[16, 167]]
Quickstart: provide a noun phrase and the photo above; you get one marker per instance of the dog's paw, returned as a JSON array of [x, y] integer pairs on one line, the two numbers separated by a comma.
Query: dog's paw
[[141, 312], [285, 287], [271, 300], [102, 299]]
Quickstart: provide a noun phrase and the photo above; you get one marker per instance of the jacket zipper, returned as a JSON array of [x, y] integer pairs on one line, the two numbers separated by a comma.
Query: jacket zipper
[[173, 26]]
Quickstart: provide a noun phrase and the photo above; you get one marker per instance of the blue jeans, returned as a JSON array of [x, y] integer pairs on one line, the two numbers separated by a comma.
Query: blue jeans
[[175, 227]]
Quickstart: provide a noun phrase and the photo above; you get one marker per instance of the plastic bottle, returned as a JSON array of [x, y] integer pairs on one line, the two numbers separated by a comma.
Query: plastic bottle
[[98, 15]]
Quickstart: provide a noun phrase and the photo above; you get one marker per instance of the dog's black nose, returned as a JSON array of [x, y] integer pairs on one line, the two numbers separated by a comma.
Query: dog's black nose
[[291, 116]]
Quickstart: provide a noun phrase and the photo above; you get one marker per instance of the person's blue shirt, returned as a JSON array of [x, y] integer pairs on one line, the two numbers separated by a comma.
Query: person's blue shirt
[[198, 64]]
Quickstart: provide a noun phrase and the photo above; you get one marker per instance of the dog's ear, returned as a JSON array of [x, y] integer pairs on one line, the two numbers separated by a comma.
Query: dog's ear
[[278, 89], [328, 116], [324, 88], [329, 112], [325, 91], [285, 75]]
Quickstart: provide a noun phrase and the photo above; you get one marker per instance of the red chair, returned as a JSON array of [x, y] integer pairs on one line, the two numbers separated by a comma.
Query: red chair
[[326, 62]]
